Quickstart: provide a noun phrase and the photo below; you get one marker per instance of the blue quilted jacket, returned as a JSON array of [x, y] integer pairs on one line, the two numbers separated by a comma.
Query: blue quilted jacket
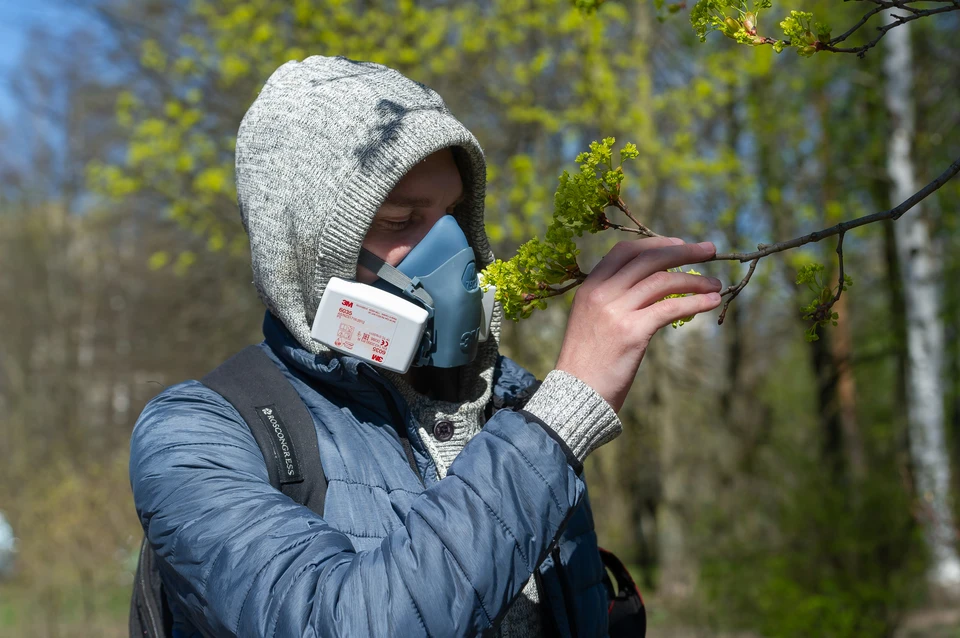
[[391, 556]]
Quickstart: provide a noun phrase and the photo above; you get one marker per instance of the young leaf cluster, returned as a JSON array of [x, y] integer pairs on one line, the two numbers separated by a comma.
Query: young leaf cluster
[[525, 281], [799, 29], [734, 18], [820, 309], [680, 322], [739, 22]]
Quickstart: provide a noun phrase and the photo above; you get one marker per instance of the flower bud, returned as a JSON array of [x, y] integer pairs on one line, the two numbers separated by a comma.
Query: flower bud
[[750, 23], [732, 26]]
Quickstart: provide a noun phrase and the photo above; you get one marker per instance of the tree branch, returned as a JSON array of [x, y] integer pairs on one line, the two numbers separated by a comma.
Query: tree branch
[[765, 250], [894, 213], [882, 5], [915, 14], [840, 286], [555, 292], [640, 227], [733, 291]]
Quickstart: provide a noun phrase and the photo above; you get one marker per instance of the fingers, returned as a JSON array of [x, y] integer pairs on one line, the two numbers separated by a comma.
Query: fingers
[[658, 315], [660, 284], [625, 251], [658, 259]]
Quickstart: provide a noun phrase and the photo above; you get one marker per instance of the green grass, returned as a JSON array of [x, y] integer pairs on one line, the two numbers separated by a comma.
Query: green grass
[[27, 612]]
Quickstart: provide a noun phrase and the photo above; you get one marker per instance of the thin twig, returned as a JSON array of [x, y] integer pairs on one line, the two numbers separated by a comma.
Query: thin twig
[[609, 224], [863, 21], [555, 292], [836, 297], [915, 14], [733, 291], [626, 211]]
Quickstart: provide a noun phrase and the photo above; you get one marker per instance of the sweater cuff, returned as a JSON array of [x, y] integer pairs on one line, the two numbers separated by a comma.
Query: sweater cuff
[[574, 410]]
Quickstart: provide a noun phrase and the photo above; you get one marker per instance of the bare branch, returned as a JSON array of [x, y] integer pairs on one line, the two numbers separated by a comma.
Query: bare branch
[[915, 14], [733, 291], [606, 223], [840, 38], [555, 292], [626, 211], [840, 286], [894, 213]]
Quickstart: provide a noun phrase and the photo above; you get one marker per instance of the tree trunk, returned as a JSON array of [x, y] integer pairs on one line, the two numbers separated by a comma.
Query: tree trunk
[[665, 361], [920, 270], [841, 343]]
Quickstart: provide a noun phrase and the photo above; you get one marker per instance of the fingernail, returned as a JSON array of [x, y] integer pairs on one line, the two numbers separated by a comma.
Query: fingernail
[[676, 241], [706, 244], [714, 281]]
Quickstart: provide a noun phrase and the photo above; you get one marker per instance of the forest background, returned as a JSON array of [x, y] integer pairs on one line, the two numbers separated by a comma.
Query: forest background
[[763, 485]]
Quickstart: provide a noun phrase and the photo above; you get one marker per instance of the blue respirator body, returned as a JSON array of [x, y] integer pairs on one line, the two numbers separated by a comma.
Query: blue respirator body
[[439, 274]]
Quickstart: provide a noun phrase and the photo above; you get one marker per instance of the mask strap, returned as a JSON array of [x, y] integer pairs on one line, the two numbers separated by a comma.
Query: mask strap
[[394, 277]]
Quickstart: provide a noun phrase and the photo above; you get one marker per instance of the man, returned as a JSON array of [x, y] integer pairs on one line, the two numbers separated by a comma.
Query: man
[[481, 522]]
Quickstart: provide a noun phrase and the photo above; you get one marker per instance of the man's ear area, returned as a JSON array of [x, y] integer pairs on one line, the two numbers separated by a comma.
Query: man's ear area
[[465, 166], [464, 211]]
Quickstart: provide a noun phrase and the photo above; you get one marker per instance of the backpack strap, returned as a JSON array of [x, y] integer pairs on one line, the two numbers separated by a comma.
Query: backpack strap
[[626, 613], [283, 428], [150, 615], [280, 422]]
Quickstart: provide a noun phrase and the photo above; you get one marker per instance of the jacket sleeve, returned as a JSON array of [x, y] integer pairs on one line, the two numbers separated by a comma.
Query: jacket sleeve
[[242, 559]]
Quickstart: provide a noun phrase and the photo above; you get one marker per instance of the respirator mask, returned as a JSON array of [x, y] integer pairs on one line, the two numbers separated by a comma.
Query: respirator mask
[[429, 310]]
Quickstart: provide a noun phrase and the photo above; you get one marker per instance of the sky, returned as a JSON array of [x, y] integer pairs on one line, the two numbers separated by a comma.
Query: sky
[[17, 17]]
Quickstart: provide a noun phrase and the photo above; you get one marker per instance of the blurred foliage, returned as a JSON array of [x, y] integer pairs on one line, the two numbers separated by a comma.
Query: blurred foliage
[[95, 334], [845, 570], [542, 70], [831, 560]]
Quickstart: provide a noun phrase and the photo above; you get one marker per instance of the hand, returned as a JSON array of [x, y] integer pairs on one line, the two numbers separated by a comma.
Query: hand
[[617, 310]]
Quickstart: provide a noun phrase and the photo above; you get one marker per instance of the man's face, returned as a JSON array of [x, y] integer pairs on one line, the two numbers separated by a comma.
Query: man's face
[[430, 190]]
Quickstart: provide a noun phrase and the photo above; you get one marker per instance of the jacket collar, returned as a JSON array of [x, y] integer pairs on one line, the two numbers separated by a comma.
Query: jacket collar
[[332, 369], [512, 384]]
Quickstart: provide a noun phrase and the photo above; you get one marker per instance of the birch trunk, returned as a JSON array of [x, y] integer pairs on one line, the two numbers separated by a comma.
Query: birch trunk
[[919, 271]]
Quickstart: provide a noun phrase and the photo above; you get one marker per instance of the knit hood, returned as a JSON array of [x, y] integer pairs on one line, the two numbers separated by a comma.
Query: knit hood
[[318, 152]]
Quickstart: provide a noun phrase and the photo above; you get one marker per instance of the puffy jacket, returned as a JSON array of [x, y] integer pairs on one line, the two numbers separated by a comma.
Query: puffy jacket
[[393, 554]]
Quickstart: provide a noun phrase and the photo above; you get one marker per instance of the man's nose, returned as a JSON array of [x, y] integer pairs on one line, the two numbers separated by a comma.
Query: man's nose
[[422, 232]]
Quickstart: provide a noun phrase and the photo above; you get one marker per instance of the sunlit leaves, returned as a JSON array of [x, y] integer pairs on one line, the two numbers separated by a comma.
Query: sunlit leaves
[[740, 22], [734, 18], [152, 56], [525, 281], [798, 28], [544, 66], [680, 322]]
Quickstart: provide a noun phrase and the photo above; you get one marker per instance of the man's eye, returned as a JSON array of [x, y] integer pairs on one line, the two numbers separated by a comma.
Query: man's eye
[[395, 225]]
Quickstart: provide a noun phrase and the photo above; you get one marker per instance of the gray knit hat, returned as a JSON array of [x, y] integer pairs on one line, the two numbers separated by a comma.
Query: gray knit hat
[[317, 154]]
